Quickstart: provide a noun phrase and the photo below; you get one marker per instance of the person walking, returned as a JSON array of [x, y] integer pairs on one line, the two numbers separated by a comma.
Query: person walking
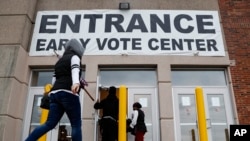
[[64, 95], [137, 125], [108, 123]]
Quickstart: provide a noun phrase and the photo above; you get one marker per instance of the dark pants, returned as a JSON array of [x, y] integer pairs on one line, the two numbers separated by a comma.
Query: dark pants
[[109, 129]]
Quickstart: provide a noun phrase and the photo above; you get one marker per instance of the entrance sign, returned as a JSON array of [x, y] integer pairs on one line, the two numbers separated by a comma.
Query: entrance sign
[[132, 32]]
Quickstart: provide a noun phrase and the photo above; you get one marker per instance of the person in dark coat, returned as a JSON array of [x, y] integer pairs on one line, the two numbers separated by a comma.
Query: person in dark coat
[[108, 123], [137, 125]]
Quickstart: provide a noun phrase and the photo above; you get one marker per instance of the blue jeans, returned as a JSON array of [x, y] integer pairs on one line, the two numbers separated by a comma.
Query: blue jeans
[[61, 102]]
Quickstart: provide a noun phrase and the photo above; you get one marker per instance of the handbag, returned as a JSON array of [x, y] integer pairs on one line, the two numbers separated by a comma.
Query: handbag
[[45, 103]]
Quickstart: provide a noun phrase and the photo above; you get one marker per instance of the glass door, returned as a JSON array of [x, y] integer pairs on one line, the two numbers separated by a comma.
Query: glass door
[[217, 109], [147, 98], [62, 132], [33, 112]]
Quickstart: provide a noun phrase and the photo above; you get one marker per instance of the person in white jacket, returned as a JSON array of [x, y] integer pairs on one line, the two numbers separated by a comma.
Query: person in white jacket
[[138, 122]]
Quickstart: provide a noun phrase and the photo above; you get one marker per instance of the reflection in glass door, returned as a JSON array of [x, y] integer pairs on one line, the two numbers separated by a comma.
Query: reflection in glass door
[[217, 108]]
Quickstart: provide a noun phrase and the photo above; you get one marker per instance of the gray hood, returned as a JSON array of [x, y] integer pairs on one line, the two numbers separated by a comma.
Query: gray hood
[[75, 46]]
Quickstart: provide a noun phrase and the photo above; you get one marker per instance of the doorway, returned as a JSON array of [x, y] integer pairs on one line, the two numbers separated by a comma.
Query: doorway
[[141, 87], [217, 109], [147, 97]]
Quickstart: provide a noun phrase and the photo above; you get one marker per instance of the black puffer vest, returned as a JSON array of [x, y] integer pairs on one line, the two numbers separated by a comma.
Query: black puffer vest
[[63, 72], [140, 123]]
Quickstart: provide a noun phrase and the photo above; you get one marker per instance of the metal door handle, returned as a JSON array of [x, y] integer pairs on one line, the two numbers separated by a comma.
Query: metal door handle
[[209, 123], [193, 134], [227, 134]]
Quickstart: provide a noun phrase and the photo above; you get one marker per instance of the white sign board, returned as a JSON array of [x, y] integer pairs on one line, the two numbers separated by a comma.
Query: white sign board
[[132, 32]]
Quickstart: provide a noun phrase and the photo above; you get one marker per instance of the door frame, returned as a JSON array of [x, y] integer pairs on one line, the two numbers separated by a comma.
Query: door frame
[[206, 89]]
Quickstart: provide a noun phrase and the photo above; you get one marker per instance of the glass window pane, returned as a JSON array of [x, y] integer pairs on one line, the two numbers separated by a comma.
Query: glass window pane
[[198, 78], [186, 133], [187, 108], [217, 109], [41, 78], [44, 78], [218, 132], [128, 77], [36, 113]]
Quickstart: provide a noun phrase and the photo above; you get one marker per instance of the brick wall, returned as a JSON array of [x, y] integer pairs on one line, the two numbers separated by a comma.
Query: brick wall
[[235, 16]]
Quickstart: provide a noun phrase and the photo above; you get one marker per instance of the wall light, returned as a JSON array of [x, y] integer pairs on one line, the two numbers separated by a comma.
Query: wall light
[[124, 6]]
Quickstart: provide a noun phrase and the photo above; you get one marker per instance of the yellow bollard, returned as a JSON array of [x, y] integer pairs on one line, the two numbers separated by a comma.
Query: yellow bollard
[[122, 133], [201, 115], [43, 119], [44, 112]]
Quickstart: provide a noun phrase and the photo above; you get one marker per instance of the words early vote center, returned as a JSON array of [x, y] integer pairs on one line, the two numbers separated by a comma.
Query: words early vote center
[[186, 62]]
